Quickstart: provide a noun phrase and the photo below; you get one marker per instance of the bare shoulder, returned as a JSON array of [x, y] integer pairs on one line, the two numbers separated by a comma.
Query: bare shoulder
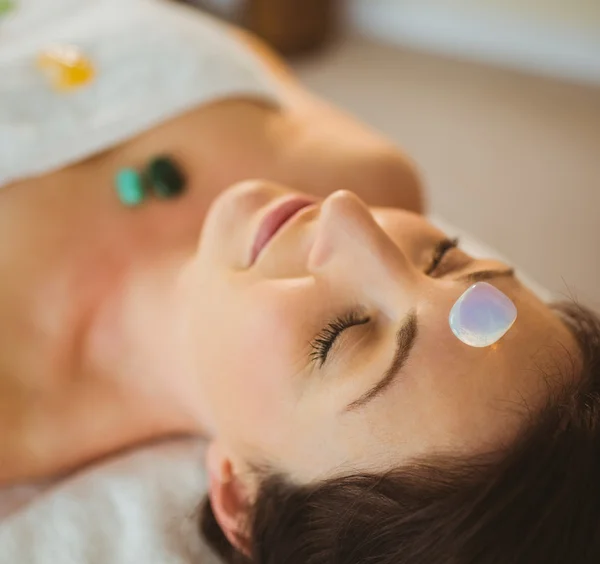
[[327, 148]]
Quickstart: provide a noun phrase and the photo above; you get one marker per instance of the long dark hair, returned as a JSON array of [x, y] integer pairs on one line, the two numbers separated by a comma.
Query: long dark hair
[[536, 502]]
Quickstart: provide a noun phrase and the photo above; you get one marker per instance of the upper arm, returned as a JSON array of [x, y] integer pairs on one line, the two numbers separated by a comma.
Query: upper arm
[[342, 151], [387, 178], [330, 150]]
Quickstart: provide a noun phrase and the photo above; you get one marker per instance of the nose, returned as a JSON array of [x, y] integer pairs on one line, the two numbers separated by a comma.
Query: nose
[[352, 247]]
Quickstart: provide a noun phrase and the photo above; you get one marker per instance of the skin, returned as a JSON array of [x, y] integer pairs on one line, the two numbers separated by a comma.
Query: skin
[[265, 401], [268, 404], [152, 322], [450, 396], [84, 276]]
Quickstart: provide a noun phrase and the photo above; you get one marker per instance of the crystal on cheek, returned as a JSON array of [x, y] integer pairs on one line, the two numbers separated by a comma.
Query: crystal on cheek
[[482, 315]]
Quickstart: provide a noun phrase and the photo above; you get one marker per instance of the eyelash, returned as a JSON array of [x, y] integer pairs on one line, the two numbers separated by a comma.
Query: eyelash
[[323, 342], [440, 252], [326, 338]]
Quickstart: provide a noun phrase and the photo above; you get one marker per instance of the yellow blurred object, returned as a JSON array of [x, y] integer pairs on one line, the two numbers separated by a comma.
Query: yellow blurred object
[[66, 67]]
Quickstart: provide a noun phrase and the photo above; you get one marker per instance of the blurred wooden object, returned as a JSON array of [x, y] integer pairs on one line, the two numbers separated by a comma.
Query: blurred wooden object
[[291, 26]]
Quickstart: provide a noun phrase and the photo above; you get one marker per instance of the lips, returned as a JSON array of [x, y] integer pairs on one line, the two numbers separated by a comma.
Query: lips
[[274, 220]]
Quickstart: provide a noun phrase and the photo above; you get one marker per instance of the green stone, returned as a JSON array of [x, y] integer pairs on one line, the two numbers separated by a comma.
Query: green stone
[[7, 6], [166, 177], [130, 187]]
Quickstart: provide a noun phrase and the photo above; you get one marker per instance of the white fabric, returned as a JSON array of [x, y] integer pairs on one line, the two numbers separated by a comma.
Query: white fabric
[[154, 59], [140, 507]]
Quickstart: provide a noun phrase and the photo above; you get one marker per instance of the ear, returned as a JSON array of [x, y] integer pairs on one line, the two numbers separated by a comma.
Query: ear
[[229, 497]]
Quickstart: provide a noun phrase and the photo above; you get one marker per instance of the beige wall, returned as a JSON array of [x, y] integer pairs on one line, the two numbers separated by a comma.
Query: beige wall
[[511, 158], [580, 15], [558, 38], [576, 15]]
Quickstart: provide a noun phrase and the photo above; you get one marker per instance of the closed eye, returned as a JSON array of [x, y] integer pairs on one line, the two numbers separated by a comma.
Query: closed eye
[[440, 252], [323, 342]]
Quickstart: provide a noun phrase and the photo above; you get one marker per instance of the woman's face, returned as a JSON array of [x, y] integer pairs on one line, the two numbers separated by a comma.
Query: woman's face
[[256, 330]]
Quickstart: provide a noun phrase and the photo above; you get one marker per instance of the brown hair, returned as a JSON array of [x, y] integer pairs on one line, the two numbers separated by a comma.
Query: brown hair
[[536, 502]]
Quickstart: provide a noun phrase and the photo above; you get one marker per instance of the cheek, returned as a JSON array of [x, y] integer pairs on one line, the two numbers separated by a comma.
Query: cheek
[[245, 367]]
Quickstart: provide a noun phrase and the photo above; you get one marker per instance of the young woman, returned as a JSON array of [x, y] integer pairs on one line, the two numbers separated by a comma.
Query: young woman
[[153, 286]]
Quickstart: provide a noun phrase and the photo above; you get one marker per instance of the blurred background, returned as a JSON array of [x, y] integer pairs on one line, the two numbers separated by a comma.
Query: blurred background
[[498, 101]]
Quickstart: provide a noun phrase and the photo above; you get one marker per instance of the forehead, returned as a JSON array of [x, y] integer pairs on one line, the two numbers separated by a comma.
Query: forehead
[[516, 368], [455, 397]]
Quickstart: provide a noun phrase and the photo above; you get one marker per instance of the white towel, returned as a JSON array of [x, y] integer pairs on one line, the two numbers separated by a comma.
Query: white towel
[[140, 507], [153, 59]]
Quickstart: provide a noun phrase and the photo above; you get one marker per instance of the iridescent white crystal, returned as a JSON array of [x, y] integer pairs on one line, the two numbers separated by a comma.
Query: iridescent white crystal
[[482, 315]]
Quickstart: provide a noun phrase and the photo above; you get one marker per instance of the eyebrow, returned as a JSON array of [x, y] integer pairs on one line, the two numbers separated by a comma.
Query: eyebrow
[[406, 337], [482, 275]]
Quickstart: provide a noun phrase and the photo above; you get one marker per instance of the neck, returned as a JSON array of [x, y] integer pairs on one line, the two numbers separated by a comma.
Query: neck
[[136, 342]]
